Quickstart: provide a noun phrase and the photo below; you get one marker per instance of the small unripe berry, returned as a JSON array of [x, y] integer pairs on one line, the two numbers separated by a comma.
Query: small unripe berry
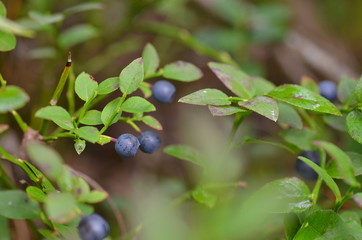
[[93, 227], [149, 141], [127, 145], [328, 89], [163, 91], [303, 169]]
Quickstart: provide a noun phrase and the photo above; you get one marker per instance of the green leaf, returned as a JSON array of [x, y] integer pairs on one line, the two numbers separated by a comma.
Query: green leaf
[[324, 175], [108, 86], [282, 196], [301, 138], [79, 145], [67, 232], [262, 86], [91, 134], [356, 158], [343, 161], [7, 41], [152, 122], [326, 224], [12, 27], [346, 91], [184, 153], [204, 197], [77, 34], [358, 90], [109, 110], [2, 10], [234, 79], [137, 105], [291, 225], [207, 96], [309, 84], [36, 194], [45, 19], [12, 98], [95, 196], [289, 116], [265, 106], [151, 60], [146, 89], [91, 117], [336, 122], [15, 204], [225, 110], [60, 207], [47, 159], [303, 98], [103, 140], [131, 76], [182, 71], [81, 188], [85, 86], [58, 115], [354, 125]]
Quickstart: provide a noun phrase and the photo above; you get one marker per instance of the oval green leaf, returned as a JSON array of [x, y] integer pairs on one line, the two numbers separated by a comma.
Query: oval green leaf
[[36, 194], [60, 207], [151, 61], [185, 153], [58, 115], [234, 79], [354, 125], [227, 110], [152, 122], [91, 134], [131, 76], [85, 86], [7, 41], [182, 71], [303, 98], [207, 96], [289, 116], [15, 204], [108, 86], [265, 106], [109, 110], [12, 98], [202, 196], [137, 105], [91, 117]]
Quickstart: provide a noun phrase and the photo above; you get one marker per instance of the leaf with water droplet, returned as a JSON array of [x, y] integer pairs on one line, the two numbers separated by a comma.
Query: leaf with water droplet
[[303, 98], [207, 96], [265, 106]]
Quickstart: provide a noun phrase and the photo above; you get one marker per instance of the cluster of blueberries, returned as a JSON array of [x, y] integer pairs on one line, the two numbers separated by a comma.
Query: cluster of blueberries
[[149, 141], [327, 89]]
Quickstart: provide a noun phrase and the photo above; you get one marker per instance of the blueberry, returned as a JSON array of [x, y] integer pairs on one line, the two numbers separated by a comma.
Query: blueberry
[[163, 91], [127, 145], [328, 89], [150, 141], [93, 227], [303, 169]]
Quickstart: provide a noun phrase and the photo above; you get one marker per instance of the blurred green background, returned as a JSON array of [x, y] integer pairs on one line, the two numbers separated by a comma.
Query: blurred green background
[[278, 40]]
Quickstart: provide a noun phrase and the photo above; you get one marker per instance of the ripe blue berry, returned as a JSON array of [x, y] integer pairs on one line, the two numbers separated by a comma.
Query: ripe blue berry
[[127, 145], [163, 91], [150, 141], [328, 89], [93, 227], [303, 169]]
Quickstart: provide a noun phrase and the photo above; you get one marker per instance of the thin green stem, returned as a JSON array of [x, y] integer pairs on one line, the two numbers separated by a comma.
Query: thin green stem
[[84, 109], [307, 118], [59, 135], [134, 126], [6, 179], [70, 92], [2, 81], [346, 197], [63, 79], [20, 121], [317, 187]]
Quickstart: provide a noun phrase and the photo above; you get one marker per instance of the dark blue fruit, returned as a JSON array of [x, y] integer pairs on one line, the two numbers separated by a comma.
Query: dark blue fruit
[[328, 89], [93, 227], [150, 141], [163, 91], [127, 145], [303, 169]]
